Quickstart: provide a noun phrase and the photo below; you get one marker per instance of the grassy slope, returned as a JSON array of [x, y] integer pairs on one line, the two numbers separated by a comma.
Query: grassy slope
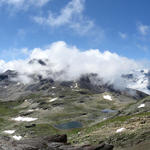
[[71, 108]]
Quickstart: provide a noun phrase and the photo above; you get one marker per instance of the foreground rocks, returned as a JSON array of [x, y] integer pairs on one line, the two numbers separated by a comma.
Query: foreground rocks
[[57, 142]]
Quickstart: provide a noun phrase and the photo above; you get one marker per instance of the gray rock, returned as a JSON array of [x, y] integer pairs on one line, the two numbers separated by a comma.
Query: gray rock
[[57, 142]]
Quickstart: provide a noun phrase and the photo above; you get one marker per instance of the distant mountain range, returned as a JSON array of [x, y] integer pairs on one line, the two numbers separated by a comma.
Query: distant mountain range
[[87, 108], [11, 87]]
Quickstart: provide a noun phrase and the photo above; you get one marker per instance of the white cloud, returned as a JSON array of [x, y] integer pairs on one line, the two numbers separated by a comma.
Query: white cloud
[[143, 29], [123, 35], [66, 62], [71, 16], [23, 4]]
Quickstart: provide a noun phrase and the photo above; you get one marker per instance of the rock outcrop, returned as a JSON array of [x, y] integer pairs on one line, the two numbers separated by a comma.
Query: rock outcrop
[[57, 142]]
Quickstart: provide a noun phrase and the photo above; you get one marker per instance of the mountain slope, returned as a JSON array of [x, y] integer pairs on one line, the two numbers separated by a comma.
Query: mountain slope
[[87, 110], [139, 80]]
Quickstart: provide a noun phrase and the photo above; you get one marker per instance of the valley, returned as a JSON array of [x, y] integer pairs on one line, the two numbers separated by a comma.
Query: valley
[[87, 113]]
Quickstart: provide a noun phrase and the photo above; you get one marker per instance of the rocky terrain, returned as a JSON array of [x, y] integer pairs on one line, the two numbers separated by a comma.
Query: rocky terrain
[[57, 142], [87, 115]]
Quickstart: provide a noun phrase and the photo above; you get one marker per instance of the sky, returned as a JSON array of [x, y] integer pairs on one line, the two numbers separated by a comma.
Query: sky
[[117, 26]]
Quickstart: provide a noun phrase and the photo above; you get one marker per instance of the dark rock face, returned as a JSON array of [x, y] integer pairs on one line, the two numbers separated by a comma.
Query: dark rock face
[[128, 76], [57, 142], [3, 77], [30, 126], [57, 138], [39, 61], [8, 75], [92, 83]]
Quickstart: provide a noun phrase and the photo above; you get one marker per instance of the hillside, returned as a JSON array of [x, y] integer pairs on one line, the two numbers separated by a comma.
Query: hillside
[[88, 113]]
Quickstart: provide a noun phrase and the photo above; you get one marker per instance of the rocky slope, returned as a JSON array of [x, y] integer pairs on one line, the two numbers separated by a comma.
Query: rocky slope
[[84, 110], [57, 142]]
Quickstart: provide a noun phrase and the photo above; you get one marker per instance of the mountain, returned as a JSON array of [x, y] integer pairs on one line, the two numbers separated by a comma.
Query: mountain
[[139, 80], [88, 109], [12, 89]]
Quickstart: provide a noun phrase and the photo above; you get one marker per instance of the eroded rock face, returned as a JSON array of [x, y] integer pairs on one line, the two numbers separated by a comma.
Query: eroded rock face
[[57, 142]]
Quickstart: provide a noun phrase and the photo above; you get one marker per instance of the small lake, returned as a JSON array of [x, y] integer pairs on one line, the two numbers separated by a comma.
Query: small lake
[[109, 111], [69, 125]]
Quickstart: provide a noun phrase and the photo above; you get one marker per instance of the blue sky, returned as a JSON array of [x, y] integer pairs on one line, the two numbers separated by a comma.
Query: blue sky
[[120, 26]]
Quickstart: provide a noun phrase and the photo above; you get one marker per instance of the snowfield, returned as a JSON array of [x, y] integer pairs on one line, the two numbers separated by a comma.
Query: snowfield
[[53, 87], [18, 138], [107, 97], [120, 130], [141, 106], [54, 99], [24, 119], [76, 85], [9, 131], [30, 110]]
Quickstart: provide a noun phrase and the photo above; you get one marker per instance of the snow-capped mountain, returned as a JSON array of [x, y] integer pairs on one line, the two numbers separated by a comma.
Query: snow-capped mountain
[[139, 80], [40, 77]]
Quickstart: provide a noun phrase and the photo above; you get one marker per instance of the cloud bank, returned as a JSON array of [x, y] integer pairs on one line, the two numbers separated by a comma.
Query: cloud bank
[[64, 62]]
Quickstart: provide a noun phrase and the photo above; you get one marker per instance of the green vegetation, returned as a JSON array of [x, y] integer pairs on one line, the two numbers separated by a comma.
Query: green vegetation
[[81, 106], [7, 108], [38, 130]]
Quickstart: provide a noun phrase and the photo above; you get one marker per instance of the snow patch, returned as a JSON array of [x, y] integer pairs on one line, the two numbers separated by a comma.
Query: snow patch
[[54, 99], [53, 87], [30, 110], [120, 130], [141, 106], [26, 119], [104, 118], [18, 138], [107, 97], [76, 85], [9, 131]]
